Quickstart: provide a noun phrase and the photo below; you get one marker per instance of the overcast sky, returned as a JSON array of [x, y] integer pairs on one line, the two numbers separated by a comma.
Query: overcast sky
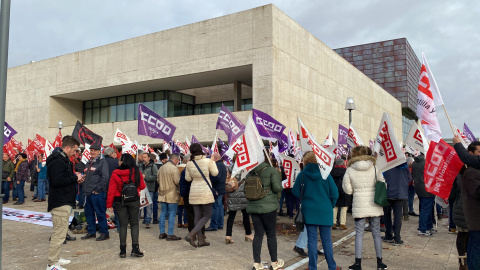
[[446, 31]]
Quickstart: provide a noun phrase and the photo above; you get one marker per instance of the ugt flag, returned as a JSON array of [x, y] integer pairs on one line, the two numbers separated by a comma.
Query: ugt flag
[[229, 123], [389, 151], [8, 133], [153, 125], [269, 128], [291, 168], [85, 135], [442, 165], [468, 133]]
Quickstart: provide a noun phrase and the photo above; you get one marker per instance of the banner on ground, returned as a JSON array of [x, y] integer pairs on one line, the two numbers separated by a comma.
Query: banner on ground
[[291, 168], [8, 133], [250, 150], [269, 128], [442, 165], [85, 135], [153, 125], [416, 139], [229, 123], [386, 145], [39, 218]]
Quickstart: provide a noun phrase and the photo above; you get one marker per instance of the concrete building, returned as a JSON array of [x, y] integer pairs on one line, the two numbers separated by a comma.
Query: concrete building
[[256, 58]]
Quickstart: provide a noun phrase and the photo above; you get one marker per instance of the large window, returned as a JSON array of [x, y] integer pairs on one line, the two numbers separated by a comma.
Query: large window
[[165, 103], [406, 125]]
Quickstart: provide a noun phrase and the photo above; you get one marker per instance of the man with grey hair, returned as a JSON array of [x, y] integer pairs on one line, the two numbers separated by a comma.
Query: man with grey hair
[[149, 171], [168, 178]]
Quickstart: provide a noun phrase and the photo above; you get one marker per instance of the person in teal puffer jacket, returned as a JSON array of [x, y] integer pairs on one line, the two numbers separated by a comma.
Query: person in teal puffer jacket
[[318, 200]]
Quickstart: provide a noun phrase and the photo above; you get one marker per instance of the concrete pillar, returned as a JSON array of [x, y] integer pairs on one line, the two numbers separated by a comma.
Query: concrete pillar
[[237, 96]]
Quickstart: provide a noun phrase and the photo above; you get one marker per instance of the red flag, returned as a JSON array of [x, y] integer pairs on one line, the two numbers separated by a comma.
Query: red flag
[[16, 144], [58, 140], [8, 149], [442, 165], [37, 145], [116, 151]]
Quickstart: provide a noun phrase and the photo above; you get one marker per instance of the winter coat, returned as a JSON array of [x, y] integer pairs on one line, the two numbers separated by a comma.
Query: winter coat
[[467, 158], [471, 198], [112, 165], [116, 185], [418, 167], [219, 180], [344, 200], [200, 192], [359, 180], [62, 180], [271, 179], [23, 172], [236, 199], [456, 198], [184, 185], [96, 176], [168, 180], [319, 195], [397, 180], [32, 169], [151, 175], [9, 167]]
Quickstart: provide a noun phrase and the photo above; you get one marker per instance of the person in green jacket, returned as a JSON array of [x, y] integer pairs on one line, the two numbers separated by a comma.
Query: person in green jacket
[[264, 215], [318, 200], [8, 171]]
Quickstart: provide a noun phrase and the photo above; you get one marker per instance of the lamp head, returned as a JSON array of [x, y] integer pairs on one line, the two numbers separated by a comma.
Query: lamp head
[[349, 104]]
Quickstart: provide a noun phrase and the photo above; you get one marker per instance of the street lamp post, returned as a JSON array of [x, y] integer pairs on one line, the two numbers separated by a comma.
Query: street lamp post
[[349, 105], [60, 125]]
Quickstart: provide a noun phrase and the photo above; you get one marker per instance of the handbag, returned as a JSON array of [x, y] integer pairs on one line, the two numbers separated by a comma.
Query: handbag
[[5, 175], [299, 219], [214, 192], [380, 192]]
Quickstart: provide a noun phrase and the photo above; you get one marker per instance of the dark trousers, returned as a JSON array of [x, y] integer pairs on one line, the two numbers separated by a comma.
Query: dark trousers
[[182, 215], [473, 250], [264, 224], [462, 243], [411, 197], [155, 205], [21, 191], [128, 212], [81, 196], [246, 222], [190, 215], [426, 214], [6, 190], [393, 231], [95, 205], [451, 224], [203, 212]]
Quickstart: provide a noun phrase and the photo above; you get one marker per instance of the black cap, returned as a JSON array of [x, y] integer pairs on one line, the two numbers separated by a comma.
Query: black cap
[[95, 146], [163, 156]]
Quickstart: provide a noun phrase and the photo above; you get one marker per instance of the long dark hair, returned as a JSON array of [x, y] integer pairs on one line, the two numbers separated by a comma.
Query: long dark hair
[[128, 163], [196, 150]]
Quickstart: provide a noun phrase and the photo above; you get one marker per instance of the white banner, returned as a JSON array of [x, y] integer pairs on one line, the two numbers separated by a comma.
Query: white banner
[[463, 139], [39, 218], [304, 144], [416, 140], [250, 150], [86, 154], [353, 139], [389, 151], [291, 168]]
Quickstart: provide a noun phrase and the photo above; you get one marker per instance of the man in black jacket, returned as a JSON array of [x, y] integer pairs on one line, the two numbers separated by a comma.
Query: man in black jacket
[[218, 183], [62, 197], [427, 199]]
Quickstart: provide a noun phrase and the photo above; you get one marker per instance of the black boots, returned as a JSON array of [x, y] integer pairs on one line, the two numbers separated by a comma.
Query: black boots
[[357, 265], [123, 251], [380, 264], [136, 251]]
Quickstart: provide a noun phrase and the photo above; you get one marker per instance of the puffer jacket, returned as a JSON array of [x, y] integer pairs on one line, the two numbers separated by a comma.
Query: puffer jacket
[[168, 182], [456, 198], [271, 179], [236, 199], [200, 193], [359, 180]]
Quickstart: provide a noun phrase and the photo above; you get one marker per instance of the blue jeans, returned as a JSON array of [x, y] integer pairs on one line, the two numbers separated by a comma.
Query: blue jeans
[[473, 250], [41, 188], [411, 197], [451, 224], [282, 199], [47, 186], [217, 213], [425, 220], [95, 204], [6, 190], [171, 210], [81, 196], [326, 236], [182, 215], [155, 205], [20, 191], [302, 239], [14, 190], [147, 218]]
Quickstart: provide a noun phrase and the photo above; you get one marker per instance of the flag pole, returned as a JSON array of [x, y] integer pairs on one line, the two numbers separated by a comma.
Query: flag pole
[[450, 122]]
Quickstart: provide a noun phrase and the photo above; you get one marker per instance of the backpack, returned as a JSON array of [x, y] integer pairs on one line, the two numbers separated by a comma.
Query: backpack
[[129, 192], [254, 187]]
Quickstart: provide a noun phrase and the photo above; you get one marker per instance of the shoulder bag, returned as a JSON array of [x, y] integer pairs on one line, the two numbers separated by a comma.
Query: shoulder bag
[[380, 192], [214, 192], [299, 219]]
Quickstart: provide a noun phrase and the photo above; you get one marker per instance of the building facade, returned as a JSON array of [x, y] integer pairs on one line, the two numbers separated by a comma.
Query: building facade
[[258, 58]]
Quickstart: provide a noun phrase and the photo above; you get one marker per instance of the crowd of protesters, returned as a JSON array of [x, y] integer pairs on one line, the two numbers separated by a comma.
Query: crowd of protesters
[[195, 187]]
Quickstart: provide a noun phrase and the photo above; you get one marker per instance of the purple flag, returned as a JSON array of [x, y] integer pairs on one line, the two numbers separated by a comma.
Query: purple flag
[[466, 132], [229, 123], [205, 150], [223, 147], [342, 134], [153, 125], [283, 144], [174, 147], [371, 144], [8, 133], [342, 150], [269, 128]]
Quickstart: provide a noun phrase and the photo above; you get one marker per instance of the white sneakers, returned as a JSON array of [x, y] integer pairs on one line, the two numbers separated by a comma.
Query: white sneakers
[[57, 266], [277, 265]]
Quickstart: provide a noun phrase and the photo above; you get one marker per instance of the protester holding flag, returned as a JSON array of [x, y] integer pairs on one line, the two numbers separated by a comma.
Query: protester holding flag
[[318, 200], [7, 175], [465, 156], [360, 181], [264, 214], [201, 194], [427, 199], [22, 175], [459, 219], [42, 180], [344, 200]]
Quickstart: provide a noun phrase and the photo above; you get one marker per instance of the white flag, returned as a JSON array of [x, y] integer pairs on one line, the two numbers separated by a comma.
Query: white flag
[[304, 144], [463, 139], [291, 168], [437, 97], [276, 154], [214, 145], [389, 151], [187, 143], [166, 146], [426, 105], [182, 147], [325, 159], [328, 140], [250, 150], [120, 137], [416, 140], [353, 139], [86, 154], [48, 151]]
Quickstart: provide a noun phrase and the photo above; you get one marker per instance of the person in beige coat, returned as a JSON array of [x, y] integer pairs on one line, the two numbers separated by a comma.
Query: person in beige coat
[[201, 196], [168, 178]]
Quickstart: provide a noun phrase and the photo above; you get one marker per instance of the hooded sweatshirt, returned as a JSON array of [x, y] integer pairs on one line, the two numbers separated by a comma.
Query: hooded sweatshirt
[[359, 180], [319, 195]]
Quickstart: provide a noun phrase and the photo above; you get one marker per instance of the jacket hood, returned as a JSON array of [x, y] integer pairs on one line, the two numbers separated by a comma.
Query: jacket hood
[[312, 171], [57, 155], [362, 163], [124, 174]]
